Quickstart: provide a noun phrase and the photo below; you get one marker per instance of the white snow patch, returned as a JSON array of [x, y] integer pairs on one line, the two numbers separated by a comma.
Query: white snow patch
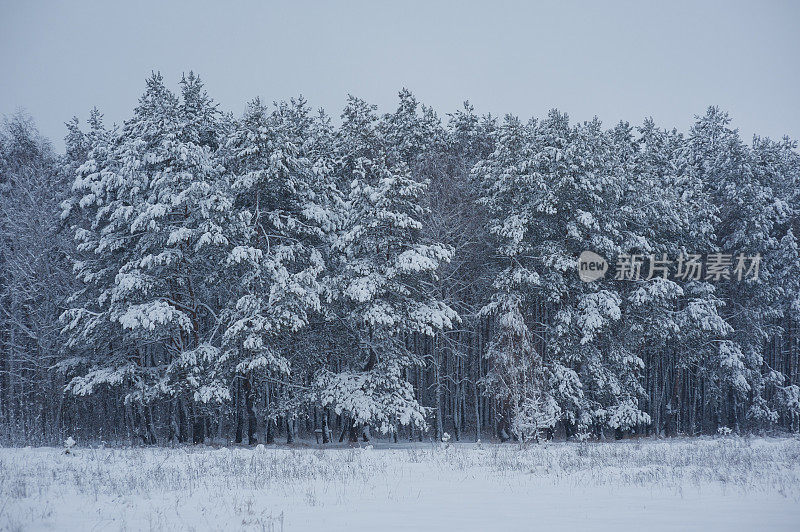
[[702, 484]]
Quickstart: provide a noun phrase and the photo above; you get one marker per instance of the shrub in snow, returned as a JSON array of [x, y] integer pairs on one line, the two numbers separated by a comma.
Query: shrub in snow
[[69, 443], [381, 397], [445, 440], [532, 416]]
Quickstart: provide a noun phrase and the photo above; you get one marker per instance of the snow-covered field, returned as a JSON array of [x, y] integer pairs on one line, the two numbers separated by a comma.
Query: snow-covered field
[[699, 484]]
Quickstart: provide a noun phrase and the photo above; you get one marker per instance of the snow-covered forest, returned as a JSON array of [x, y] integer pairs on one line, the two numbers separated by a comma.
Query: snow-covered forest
[[196, 276]]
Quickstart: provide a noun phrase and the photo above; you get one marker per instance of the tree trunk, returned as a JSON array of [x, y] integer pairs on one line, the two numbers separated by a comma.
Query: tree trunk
[[326, 438], [353, 433], [252, 424], [438, 390], [289, 430], [237, 407]]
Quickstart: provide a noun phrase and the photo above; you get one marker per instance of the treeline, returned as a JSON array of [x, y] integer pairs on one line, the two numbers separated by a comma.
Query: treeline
[[195, 276]]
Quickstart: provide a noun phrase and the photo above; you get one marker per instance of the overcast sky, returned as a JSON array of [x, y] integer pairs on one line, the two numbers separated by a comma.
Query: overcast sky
[[669, 60]]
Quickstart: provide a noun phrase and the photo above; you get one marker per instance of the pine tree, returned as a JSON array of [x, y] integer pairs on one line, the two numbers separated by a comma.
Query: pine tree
[[379, 281], [285, 195], [747, 215], [159, 228], [557, 356]]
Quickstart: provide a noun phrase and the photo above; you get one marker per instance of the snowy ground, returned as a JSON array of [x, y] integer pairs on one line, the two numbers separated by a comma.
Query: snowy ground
[[701, 484]]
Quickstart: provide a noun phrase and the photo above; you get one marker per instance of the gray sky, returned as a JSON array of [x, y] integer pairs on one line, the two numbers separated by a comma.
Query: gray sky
[[617, 61]]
